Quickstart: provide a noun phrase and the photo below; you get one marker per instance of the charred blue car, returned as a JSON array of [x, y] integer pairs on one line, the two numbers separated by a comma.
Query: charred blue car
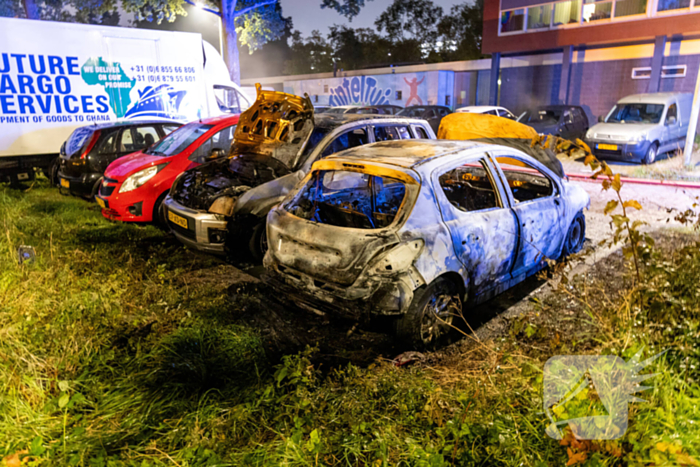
[[415, 230]]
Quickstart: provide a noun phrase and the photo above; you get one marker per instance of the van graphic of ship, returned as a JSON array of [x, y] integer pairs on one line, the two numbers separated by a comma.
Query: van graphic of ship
[[162, 102]]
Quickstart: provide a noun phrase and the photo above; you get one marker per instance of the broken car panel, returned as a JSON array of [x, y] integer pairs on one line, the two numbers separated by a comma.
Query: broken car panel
[[413, 229], [276, 143]]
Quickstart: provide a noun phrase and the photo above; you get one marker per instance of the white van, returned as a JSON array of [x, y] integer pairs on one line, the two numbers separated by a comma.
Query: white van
[[641, 126], [56, 77]]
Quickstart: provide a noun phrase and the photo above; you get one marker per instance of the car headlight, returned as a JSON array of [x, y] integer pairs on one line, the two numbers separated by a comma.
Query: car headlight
[[397, 259], [639, 138], [590, 134], [139, 178]]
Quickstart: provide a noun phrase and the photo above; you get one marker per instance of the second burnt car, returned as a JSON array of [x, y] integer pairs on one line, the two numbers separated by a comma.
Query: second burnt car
[[220, 207], [414, 230]]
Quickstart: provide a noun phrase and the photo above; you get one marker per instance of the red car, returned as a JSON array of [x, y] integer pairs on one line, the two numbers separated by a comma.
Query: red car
[[135, 186]]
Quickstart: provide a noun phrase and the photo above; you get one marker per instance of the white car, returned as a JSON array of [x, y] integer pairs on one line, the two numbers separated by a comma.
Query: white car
[[415, 229], [489, 110]]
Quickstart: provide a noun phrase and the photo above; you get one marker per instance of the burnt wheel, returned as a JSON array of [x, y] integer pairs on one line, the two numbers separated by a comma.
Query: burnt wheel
[[428, 321], [575, 236], [258, 241]]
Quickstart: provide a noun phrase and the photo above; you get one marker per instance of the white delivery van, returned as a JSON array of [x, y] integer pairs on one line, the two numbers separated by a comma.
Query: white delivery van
[[55, 77]]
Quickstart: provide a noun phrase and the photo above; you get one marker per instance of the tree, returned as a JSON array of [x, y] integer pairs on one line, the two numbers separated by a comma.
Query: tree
[[311, 55], [86, 11], [413, 22], [347, 8], [460, 31], [252, 22]]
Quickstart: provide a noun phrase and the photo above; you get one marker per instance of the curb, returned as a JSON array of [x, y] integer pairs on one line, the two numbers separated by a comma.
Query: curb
[[639, 181]]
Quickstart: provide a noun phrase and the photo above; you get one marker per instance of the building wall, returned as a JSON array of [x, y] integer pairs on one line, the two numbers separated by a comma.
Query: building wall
[[528, 86]]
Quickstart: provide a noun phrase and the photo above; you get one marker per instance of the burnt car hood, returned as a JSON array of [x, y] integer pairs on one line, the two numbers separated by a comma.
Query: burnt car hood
[[268, 139], [199, 187]]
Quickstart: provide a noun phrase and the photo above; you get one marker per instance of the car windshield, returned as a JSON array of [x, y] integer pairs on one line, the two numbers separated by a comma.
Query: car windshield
[[179, 140], [546, 116], [336, 110], [636, 113], [349, 199], [412, 112]]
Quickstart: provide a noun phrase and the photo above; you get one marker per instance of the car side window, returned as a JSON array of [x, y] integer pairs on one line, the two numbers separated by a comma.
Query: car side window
[[386, 133], [469, 187], [525, 181], [431, 114], [126, 141], [347, 140], [442, 111], [403, 132], [672, 112], [145, 136], [420, 132], [107, 144]]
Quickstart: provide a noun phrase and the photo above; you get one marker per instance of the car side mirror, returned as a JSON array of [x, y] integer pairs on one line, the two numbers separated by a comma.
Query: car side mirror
[[216, 153], [601, 118], [671, 120]]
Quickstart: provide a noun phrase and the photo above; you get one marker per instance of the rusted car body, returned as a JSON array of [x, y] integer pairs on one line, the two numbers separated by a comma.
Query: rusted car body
[[225, 202], [415, 229]]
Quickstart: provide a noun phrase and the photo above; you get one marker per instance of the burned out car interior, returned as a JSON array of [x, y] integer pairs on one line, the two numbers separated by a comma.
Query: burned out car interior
[[349, 199]]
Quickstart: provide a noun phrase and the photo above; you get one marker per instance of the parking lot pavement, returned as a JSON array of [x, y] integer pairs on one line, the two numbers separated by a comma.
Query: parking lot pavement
[[655, 201], [668, 166]]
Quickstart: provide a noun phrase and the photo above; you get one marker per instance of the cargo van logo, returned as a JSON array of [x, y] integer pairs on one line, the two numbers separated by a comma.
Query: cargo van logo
[[112, 78], [162, 101], [359, 90]]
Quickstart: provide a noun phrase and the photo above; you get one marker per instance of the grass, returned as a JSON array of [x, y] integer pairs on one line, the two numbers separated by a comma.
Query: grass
[[110, 356]]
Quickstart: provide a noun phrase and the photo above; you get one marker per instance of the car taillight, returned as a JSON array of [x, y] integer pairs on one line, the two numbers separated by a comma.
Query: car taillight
[[91, 144]]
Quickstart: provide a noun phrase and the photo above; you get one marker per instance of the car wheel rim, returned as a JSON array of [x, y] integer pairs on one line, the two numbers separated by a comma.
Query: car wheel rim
[[437, 317], [652, 154]]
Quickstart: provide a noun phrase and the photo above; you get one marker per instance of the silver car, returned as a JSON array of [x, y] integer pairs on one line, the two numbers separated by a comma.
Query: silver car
[[415, 229], [642, 126]]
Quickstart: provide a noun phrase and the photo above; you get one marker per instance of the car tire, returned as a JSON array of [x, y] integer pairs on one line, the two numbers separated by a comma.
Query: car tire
[[420, 327], [651, 154], [575, 236], [158, 216], [96, 188], [52, 172], [258, 241]]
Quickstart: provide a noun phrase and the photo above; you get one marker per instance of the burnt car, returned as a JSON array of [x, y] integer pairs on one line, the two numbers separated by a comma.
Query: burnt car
[[223, 203], [416, 230], [567, 121], [383, 109], [90, 149], [432, 113]]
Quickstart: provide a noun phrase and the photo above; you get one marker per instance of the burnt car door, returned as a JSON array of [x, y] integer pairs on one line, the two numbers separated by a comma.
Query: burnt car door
[[391, 132], [535, 195], [480, 221]]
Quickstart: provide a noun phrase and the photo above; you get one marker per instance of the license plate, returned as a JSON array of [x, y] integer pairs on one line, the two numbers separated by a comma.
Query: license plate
[[65, 183], [608, 147], [177, 220], [101, 202]]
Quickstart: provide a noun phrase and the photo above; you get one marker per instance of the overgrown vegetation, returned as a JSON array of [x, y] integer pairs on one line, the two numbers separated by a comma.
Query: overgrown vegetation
[[110, 354]]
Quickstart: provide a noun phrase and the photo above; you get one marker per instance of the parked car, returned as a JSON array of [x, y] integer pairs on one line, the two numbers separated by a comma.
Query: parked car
[[90, 149], [567, 121], [488, 110], [221, 206], [364, 109], [134, 186], [642, 126], [319, 109], [414, 229], [432, 113]]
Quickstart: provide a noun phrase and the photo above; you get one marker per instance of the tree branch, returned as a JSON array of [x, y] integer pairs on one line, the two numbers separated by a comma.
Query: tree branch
[[250, 8]]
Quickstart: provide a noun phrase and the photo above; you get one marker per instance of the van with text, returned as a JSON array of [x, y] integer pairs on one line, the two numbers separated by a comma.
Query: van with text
[[72, 75]]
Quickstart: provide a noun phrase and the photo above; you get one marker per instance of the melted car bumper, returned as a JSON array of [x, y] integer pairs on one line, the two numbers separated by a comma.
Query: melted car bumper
[[200, 230]]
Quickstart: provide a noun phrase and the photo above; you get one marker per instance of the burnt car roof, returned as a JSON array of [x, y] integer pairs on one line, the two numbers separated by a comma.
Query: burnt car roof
[[335, 120], [404, 153]]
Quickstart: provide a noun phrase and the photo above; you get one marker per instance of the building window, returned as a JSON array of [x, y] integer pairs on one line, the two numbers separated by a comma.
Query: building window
[[596, 10], [630, 7], [512, 20], [567, 12], [325, 89], [539, 17], [674, 71], [398, 96], [669, 5], [642, 72], [447, 100]]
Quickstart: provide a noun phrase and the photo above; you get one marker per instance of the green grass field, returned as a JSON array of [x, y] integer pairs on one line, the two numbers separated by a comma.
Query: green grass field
[[110, 356]]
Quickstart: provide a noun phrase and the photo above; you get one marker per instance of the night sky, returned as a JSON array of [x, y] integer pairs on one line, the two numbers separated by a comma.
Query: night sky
[[308, 15]]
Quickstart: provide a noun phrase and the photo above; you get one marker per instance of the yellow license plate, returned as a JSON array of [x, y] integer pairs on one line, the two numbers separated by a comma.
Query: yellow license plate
[[101, 202], [65, 183], [177, 220], [608, 147]]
